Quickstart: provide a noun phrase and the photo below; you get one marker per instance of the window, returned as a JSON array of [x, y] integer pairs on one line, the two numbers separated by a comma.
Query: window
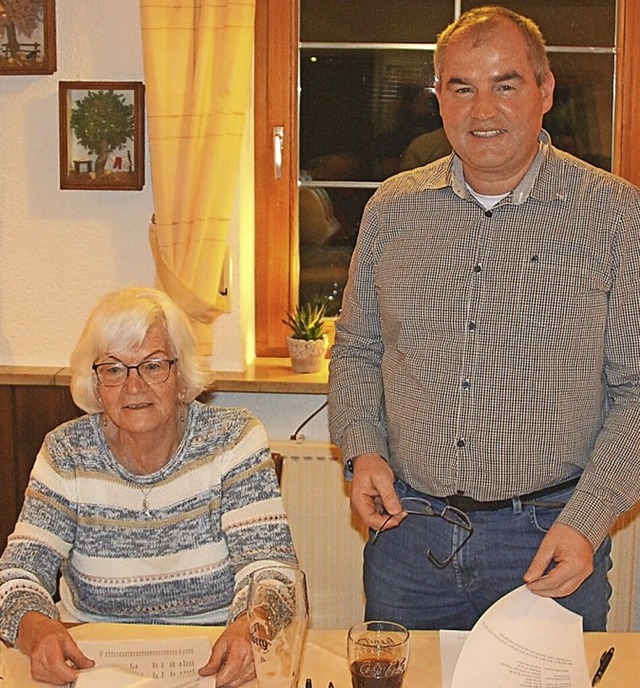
[[348, 84]]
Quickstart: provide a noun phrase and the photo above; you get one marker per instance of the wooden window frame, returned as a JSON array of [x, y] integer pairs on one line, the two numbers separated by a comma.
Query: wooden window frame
[[276, 92], [276, 211]]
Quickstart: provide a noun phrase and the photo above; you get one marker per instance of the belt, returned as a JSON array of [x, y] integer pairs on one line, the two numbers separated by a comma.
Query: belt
[[468, 504]]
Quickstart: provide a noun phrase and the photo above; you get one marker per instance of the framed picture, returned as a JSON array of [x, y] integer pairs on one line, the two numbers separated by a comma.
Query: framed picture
[[101, 135], [27, 37]]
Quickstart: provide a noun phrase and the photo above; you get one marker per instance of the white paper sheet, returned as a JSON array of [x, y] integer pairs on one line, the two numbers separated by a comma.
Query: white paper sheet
[[160, 663], [110, 677], [451, 644], [524, 641]]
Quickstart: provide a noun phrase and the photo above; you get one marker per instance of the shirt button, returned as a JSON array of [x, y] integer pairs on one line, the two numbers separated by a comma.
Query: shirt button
[[488, 213], [466, 384], [471, 325], [477, 268], [460, 443]]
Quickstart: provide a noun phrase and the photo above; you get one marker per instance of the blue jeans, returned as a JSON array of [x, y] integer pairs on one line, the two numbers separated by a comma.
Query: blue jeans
[[402, 585]]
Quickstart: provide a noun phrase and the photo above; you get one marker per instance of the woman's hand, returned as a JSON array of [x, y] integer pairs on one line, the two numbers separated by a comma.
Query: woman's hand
[[231, 657], [53, 652]]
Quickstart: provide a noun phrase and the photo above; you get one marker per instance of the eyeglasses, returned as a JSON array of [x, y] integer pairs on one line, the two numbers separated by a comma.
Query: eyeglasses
[[421, 507], [114, 373]]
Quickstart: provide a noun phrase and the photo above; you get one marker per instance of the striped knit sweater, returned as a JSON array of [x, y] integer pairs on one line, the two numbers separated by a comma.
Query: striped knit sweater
[[175, 546]]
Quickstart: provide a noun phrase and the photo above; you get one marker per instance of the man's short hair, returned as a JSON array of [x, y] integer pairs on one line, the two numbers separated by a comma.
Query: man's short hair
[[480, 21]]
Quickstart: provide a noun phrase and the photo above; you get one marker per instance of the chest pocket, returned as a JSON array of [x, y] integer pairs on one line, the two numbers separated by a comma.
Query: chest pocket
[[553, 291]]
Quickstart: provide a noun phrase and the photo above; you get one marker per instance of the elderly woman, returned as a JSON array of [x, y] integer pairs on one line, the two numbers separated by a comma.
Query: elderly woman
[[154, 507]]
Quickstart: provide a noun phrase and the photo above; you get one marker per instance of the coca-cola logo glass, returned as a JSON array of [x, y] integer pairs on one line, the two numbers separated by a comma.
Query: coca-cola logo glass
[[378, 653]]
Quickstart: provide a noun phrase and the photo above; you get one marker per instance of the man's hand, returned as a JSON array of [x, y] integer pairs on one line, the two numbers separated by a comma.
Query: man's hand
[[231, 658], [572, 555], [53, 652], [372, 493]]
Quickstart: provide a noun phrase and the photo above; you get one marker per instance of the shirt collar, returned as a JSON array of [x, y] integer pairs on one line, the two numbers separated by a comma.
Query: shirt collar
[[451, 174]]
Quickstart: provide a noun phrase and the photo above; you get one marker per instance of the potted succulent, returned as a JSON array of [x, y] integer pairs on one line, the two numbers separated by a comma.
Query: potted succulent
[[307, 342]]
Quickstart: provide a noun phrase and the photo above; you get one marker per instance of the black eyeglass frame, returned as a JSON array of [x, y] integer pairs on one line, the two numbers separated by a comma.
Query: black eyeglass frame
[[461, 520], [96, 366]]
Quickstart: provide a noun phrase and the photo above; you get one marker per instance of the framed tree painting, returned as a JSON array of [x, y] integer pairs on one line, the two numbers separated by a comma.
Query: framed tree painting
[[27, 37], [101, 135]]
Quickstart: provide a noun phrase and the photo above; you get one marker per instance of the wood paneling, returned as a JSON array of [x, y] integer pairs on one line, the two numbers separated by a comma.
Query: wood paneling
[[27, 413], [8, 505]]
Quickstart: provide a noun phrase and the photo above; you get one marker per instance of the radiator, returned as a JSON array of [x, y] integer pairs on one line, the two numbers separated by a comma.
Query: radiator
[[623, 615], [327, 536]]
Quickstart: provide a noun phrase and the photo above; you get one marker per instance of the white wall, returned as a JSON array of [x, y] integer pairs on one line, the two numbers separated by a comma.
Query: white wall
[[60, 250], [282, 414]]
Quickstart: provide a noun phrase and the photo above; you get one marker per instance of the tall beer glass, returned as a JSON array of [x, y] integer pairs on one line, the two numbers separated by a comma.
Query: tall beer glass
[[278, 611]]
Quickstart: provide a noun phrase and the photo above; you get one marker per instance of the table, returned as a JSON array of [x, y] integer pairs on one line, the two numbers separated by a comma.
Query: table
[[325, 655]]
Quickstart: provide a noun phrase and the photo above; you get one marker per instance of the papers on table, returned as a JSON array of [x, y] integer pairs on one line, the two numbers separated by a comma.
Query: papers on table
[[523, 640], [110, 677], [160, 663], [451, 644]]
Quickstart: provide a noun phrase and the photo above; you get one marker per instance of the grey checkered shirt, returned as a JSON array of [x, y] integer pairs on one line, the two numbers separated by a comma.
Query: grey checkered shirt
[[494, 353]]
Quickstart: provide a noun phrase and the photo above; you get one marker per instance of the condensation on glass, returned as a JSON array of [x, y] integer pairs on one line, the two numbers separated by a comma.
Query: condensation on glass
[[367, 111]]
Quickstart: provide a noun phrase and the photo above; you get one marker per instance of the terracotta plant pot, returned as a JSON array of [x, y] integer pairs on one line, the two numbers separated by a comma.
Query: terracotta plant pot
[[307, 355]]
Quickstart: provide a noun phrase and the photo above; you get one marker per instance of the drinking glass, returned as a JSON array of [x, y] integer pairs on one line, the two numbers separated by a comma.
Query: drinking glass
[[278, 611], [378, 654]]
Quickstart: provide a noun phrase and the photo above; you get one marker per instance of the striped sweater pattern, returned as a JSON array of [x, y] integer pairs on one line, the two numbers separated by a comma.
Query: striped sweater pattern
[[175, 546]]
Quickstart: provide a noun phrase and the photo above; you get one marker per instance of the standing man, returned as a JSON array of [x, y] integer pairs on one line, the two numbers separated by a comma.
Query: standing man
[[486, 371]]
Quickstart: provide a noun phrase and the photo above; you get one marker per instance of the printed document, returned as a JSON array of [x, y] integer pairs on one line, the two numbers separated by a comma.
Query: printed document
[[522, 641], [159, 663]]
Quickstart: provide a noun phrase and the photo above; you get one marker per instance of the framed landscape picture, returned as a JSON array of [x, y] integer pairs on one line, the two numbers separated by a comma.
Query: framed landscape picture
[[27, 37], [101, 135]]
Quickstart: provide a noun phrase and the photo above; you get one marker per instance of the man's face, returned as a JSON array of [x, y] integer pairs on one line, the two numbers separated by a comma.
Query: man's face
[[491, 106]]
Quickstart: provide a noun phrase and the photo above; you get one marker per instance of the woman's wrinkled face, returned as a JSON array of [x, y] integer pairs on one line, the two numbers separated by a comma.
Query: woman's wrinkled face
[[137, 407]]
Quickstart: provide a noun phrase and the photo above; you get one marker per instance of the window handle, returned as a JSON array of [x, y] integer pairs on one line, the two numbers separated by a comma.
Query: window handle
[[278, 145]]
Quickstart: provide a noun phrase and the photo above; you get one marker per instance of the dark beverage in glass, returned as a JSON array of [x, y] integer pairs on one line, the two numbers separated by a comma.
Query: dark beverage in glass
[[378, 653], [377, 673]]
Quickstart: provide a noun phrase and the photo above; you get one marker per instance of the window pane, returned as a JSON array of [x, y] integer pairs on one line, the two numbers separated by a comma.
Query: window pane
[[373, 21], [363, 107], [362, 111], [329, 220], [567, 22], [581, 120]]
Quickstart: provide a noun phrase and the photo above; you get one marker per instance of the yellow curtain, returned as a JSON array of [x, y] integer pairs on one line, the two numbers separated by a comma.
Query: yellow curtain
[[197, 65]]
